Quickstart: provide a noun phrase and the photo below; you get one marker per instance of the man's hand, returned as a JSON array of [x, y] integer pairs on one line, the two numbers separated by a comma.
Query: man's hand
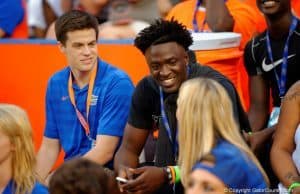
[[258, 139], [296, 190], [148, 179]]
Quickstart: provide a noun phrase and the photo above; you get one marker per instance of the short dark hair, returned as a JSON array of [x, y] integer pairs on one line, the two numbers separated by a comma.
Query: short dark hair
[[79, 176], [74, 20], [163, 31]]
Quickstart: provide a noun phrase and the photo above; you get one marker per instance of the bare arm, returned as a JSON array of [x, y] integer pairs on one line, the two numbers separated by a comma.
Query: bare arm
[[104, 149], [2, 33], [133, 142], [218, 17], [259, 103], [164, 7], [283, 145], [47, 156]]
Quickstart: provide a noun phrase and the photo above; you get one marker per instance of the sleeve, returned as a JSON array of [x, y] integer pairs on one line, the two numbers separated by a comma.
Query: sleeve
[[244, 21], [115, 108], [11, 14], [140, 115], [51, 128], [249, 60]]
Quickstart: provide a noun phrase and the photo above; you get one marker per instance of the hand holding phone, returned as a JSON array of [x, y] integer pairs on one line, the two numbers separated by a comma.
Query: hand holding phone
[[121, 180]]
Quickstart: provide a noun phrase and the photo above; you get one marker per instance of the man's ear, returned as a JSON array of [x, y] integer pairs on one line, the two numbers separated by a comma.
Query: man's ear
[[61, 47], [186, 58]]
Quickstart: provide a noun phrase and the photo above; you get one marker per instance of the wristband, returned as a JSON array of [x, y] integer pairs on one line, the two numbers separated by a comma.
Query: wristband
[[168, 174], [177, 174], [173, 174], [292, 186]]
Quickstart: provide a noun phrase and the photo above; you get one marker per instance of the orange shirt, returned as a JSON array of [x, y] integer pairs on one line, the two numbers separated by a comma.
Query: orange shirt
[[226, 61]]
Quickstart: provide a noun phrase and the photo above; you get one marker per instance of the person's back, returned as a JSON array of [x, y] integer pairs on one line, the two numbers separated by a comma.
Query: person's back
[[207, 127]]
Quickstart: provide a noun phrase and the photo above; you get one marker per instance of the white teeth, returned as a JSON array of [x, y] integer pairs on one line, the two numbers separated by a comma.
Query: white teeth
[[269, 3], [168, 81]]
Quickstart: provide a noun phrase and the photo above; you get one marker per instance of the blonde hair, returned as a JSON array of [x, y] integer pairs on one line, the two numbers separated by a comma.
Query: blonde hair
[[15, 124], [205, 114]]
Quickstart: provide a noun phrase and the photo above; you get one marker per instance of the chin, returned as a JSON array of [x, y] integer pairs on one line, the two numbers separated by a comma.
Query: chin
[[170, 89]]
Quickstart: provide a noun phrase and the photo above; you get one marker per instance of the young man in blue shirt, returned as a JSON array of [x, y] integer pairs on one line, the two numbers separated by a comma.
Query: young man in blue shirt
[[87, 103]]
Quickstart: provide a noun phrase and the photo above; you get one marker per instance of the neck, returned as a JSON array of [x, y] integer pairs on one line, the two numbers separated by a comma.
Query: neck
[[279, 26], [6, 174], [81, 78]]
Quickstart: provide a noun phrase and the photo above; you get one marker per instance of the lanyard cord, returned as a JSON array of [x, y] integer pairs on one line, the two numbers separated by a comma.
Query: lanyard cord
[[281, 83], [81, 118]]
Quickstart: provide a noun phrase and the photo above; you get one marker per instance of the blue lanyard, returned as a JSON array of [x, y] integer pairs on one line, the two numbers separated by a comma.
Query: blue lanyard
[[282, 81], [195, 23], [166, 123]]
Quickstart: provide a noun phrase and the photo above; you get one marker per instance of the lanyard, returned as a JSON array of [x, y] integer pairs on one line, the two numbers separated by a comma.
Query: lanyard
[[81, 118], [282, 81], [195, 22], [166, 123]]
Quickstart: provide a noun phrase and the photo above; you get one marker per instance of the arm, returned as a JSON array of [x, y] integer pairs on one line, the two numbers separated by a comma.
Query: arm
[[164, 7], [47, 155], [218, 16], [2, 33], [259, 103], [283, 145], [128, 154], [146, 179], [102, 153]]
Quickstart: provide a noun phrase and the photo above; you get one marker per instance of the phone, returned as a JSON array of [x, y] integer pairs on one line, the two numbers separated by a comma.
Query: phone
[[121, 180]]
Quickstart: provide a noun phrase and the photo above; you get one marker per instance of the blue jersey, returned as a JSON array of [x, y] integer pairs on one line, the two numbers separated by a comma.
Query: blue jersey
[[11, 14], [37, 188], [108, 113]]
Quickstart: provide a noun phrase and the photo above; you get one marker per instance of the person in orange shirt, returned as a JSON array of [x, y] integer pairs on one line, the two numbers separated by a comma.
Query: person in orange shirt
[[220, 16]]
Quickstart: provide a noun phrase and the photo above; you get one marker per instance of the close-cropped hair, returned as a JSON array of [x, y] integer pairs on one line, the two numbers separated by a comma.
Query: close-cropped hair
[[72, 21], [15, 124], [163, 31], [79, 176], [205, 115]]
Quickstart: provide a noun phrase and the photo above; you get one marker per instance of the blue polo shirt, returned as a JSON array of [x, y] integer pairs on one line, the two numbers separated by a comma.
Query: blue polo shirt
[[108, 110], [37, 188]]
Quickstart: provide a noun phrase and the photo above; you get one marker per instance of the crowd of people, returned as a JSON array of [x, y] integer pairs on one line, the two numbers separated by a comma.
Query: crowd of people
[[207, 141]]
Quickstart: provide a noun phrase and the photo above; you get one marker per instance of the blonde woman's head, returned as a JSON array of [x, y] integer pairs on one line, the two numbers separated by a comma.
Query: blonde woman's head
[[205, 114], [15, 125]]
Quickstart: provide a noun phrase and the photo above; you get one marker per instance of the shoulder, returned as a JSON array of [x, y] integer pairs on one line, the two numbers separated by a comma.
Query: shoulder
[[294, 92], [109, 72], [179, 9], [39, 189], [147, 85], [60, 76]]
